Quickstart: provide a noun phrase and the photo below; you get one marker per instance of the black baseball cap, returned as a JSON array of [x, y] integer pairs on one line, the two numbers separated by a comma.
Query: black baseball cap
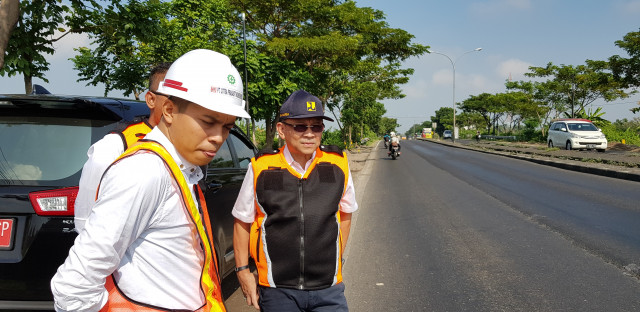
[[302, 104]]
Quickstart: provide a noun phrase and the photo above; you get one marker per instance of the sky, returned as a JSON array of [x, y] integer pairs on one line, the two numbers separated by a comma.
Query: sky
[[513, 35]]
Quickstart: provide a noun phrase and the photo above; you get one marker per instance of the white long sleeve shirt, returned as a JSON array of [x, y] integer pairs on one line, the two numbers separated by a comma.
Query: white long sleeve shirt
[[139, 231], [244, 208], [101, 154]]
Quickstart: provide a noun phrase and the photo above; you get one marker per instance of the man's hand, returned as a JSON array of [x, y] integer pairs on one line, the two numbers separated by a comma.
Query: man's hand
[[241, 250], [249, 289]]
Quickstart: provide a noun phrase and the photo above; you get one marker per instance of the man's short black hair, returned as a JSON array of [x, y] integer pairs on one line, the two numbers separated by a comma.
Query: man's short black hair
[[161, 68]]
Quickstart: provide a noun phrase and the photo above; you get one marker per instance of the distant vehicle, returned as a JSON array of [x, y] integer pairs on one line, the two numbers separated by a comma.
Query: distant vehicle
[[427, 133], [447, 134], [574, 133], [43, 143]]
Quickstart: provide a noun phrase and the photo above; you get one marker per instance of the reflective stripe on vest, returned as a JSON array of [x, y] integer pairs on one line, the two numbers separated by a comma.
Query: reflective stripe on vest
[[209, 281], [288, 198], [133, 133]]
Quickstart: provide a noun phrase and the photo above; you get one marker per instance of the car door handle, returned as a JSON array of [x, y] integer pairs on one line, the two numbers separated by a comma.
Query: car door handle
[[214, 187]]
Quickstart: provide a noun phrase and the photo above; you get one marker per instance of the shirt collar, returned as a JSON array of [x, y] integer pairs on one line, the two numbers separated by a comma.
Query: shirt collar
[[191, 172], [294, 164]]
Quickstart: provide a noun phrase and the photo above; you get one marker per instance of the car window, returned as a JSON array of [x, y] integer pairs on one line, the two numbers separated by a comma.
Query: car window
[[243, 151], [223, 157], [582, 127], [45, 150]]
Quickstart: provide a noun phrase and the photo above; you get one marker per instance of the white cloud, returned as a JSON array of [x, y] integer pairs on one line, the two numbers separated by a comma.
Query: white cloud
[[415, 89], [513, 68], [64, 47], [442, 77]]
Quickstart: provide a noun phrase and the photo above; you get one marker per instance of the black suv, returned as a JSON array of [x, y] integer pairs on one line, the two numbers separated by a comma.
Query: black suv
[[43, 146]]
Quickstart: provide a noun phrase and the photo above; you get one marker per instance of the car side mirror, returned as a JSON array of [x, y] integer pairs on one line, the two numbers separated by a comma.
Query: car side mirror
[[563, 129]]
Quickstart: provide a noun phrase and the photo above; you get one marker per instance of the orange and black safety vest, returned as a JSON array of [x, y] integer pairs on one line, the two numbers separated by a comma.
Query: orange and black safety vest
[[295, 239], [133, 132], [209, 280]]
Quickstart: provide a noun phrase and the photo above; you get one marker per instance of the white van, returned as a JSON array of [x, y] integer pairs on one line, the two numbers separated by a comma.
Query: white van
[[573, 133]]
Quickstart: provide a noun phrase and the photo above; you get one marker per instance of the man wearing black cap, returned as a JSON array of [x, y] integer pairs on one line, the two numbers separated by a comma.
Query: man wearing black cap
[[293, 216]]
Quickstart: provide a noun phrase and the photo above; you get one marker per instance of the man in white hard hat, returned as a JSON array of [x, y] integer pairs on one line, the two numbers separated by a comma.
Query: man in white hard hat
[[145, 246]]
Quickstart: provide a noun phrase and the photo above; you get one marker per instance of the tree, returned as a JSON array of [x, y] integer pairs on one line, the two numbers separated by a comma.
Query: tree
[[535, 100], [9, 14], [269, 78], [579, 86], [443, 119], [32, 38], [386, 125], [626, 69], [481, 104], [132, 37], [339, 44]]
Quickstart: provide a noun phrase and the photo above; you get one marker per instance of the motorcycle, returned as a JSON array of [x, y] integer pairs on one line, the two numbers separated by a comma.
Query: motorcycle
[[394, 151]]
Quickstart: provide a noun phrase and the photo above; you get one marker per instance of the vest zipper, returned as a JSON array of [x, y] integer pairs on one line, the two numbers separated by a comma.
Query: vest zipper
[[301, 206]]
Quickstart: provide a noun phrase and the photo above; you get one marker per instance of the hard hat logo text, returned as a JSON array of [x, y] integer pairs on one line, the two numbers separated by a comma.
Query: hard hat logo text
[[225, 91]]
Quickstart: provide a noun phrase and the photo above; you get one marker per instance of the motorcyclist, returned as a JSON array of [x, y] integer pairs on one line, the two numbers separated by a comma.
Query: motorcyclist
[[387, 138], [395, 140]]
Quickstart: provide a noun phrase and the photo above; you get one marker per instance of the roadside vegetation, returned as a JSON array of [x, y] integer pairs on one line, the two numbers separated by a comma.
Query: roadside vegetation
[[345, 54], [528, 107]]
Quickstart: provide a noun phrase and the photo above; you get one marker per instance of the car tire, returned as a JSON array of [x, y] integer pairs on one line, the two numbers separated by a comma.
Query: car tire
[[601, 150], [550, 144], [568, 146]]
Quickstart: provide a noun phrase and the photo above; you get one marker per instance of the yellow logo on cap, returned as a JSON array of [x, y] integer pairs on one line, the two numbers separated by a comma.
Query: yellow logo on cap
[[311, 106]]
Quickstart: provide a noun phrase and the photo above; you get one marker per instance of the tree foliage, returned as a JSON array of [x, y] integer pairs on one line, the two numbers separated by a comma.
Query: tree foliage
[[386, 125], [345, 54], [131, 37], [32, 38], [576, 87], [350, 53], [626, 69]]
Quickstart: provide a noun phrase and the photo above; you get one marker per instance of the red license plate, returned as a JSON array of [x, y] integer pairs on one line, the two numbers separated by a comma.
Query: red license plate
[[6, 234]]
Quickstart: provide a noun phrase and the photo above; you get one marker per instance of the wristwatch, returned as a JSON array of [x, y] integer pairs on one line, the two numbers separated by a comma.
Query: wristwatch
[[244, 267]]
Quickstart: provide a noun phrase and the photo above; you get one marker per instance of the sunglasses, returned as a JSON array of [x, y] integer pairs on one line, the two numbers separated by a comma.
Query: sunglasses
[[303, 128]]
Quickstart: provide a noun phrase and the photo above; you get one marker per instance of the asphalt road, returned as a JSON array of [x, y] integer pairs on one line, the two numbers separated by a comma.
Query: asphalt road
[[447, 229]]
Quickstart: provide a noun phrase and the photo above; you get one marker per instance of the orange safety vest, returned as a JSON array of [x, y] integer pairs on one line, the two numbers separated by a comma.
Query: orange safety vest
[[305, 210], [209, 281], [134, 132]]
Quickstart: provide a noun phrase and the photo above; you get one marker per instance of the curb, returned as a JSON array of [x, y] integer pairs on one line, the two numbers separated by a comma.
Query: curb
[[612, 173]]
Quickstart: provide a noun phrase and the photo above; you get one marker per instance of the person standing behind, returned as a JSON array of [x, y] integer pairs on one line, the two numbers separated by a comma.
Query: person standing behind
[[145, 246], [102, 153], [293, 215]]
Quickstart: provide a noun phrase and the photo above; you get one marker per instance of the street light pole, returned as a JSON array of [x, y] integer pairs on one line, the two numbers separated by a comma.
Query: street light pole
[[453, 64], [246, 79]]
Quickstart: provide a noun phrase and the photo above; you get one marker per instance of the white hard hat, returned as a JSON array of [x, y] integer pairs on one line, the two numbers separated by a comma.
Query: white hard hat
[[393, 133], [208, 79]]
